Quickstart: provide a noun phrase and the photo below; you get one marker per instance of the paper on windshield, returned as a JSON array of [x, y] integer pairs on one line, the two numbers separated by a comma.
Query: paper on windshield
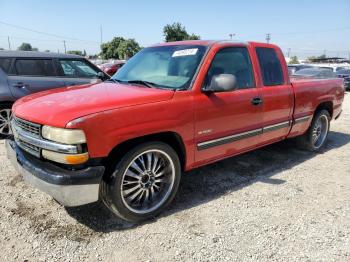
[[185, 52]]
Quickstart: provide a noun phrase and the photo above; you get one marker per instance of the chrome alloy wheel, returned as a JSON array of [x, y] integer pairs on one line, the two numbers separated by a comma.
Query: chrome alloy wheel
[[320, 130], [148, 181], [5, 119]]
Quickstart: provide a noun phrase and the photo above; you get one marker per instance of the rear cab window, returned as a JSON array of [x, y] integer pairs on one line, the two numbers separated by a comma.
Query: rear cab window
[[35, 67], [270, 66]]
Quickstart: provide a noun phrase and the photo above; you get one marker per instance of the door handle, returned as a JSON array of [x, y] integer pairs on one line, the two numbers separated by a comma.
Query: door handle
[[257, 101], [20, 85]]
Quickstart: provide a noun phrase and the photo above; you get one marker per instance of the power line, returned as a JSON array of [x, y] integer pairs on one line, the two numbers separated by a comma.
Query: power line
[[45, 33], [315, 31]]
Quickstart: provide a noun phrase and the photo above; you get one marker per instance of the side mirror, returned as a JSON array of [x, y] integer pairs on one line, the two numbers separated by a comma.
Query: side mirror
[[101, 75], [222, 83]]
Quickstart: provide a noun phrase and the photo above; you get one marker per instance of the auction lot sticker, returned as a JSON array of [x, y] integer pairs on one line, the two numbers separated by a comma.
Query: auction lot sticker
[[185, 52]]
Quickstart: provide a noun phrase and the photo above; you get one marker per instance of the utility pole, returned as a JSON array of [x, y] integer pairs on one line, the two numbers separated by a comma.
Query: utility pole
[[268, 38], [231, 36], [65, 48], [288, 54], [8, 40], [101, 33]]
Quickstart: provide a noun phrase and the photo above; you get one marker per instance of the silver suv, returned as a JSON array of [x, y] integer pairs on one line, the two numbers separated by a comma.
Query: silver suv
[[25, 72]]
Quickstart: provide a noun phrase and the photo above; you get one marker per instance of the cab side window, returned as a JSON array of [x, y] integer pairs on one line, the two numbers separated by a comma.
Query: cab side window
[[235, 61], [35, 67], [270, 66]]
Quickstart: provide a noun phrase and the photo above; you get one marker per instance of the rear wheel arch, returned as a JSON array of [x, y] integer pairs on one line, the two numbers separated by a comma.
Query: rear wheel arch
[[327, 105], [173, 139]]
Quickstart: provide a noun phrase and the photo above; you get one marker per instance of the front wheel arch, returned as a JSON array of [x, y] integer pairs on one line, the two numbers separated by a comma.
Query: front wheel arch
[[173, 139], [111, 189]]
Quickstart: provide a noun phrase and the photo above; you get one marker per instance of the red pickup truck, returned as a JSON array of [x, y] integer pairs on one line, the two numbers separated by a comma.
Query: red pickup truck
[[171, 108]]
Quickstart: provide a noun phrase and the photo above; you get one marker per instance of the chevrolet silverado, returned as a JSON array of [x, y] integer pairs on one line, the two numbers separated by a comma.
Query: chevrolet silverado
[[171, 108]]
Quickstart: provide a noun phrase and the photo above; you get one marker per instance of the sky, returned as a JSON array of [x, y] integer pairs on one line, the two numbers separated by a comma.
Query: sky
[[305, 28]]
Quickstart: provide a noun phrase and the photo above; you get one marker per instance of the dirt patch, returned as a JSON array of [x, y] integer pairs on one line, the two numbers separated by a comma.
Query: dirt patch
[[15, 180], [44, 223]]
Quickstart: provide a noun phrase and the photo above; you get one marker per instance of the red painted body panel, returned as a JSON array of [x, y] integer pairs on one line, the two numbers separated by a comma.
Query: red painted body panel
[[59, 106], [112, 113]]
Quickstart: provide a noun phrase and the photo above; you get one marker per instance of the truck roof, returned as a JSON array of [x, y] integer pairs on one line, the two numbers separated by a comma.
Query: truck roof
[[199, 42], [28, 54], [212, 42]]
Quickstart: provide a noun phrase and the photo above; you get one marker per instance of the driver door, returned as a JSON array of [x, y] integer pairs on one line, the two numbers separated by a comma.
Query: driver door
[[228, 123]]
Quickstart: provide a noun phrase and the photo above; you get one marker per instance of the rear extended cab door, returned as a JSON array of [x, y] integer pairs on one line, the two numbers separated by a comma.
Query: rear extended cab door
[[31, 75], [276, 90]]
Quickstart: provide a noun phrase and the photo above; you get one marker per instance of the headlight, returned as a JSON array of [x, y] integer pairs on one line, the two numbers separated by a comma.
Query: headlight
[[64, 136]]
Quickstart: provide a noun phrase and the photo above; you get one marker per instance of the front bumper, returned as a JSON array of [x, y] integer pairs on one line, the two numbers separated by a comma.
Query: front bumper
[[70, 188]]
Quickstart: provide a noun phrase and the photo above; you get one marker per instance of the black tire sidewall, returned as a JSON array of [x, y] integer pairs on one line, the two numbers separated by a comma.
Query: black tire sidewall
[[309, 133], [112, 195], [5, 106]]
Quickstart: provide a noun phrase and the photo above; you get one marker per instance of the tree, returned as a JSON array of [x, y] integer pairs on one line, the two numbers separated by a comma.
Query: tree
[[128, 48], [119, 48], [75, 52], [314, 58], [177, 32], [294, 60], [27, 47], [110, 49]]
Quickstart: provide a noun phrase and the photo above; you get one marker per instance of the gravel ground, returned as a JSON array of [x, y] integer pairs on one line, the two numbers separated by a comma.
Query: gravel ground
[[276, 203]]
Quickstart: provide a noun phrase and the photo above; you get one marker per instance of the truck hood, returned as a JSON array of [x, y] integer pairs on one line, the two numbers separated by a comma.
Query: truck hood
[[59, 106]]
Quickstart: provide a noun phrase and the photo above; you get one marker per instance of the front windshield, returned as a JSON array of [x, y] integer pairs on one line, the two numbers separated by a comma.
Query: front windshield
[[344, 71], [163, 66], [308, 72]]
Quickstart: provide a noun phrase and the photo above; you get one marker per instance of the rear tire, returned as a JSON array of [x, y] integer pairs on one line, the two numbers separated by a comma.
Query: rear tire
[[5, 119], [143, 182], [315, 137]]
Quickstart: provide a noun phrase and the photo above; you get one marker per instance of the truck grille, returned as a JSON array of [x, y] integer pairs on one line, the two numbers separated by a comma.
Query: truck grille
[[34, 150], [28, 127], [27, 136]]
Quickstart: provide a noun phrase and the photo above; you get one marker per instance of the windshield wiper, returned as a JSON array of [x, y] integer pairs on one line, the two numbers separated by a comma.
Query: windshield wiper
[[113, 80], [142, 82]]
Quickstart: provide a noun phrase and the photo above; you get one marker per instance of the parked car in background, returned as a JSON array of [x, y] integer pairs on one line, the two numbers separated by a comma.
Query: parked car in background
[[345, 74], [292, 68], [315, 73], [25, 72], [111, 68], [331, 67]]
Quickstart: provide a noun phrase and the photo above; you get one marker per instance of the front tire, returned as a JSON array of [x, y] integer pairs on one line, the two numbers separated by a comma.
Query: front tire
[[5, 119], [143, 182], [316, 135]]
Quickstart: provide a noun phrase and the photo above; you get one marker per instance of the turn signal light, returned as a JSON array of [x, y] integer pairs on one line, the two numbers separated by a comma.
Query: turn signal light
[[71, 159]]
